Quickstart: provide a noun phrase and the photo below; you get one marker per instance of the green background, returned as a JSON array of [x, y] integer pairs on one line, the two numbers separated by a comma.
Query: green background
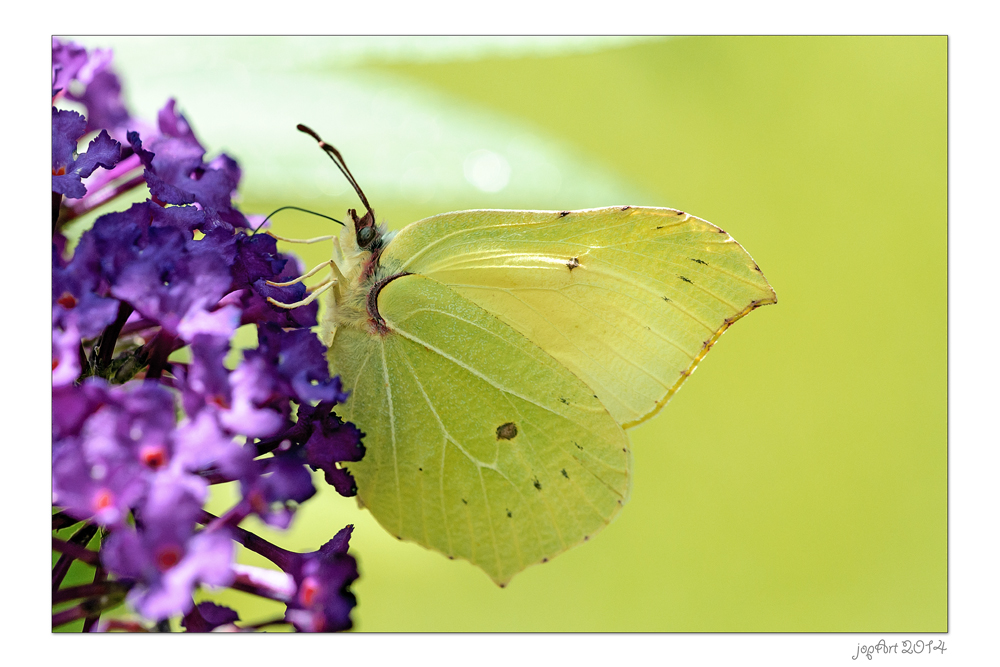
[[799, 480]]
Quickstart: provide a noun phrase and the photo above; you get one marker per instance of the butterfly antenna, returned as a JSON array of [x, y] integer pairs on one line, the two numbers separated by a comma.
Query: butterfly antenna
[[338, 160], [296, 208]]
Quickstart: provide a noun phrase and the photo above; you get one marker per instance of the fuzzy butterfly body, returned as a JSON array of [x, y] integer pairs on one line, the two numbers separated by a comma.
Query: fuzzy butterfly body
[[494, 359]]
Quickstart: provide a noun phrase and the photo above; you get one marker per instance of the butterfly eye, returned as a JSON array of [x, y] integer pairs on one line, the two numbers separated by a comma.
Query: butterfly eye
[[365, 236]]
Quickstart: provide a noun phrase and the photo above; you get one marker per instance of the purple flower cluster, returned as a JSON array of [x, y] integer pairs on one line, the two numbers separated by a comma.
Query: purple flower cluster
[[139, 437]]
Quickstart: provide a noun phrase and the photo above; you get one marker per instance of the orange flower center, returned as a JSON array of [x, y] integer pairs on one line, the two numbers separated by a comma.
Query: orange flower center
[[103, 499], [218, 401], [308, 591], [167, 556], [67, 300], [153, 456]]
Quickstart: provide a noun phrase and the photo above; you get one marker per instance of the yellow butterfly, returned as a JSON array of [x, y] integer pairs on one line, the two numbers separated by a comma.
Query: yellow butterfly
[[494, 359]]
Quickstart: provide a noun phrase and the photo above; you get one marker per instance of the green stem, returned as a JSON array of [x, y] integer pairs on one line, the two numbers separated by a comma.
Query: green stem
[[81, 538]]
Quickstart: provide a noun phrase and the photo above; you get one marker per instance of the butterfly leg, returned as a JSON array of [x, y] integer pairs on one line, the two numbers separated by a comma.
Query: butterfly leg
[[316, 239], [312, 272], [309, 299]]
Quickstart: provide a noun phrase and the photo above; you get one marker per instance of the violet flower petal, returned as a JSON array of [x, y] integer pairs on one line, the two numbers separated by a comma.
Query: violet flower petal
[[251, 387], [103, 492], [69, 168], [72, 405], [331, 442], [68, 58], [201, 444], [65, 356], [208, 561], [301, 363], [207, 616], [323, 600]]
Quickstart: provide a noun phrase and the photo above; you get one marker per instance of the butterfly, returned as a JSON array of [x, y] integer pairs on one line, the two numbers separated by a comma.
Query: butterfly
[[495, 358]]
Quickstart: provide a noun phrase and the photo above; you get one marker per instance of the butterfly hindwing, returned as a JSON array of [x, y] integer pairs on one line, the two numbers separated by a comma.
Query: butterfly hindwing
[[480, 444]]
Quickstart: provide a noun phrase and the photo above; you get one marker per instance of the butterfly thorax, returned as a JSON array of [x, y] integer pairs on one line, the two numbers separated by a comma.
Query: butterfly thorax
[[354, 301]]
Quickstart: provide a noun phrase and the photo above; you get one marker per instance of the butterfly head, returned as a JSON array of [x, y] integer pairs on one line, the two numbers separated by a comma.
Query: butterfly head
[[367, 234]]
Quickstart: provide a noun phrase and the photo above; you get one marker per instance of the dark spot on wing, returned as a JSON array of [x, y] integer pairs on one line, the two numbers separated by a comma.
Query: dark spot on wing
[[464, 501], [722, 231], [451, 558], [573, 263], [506, 431], [545, 560], [698, 260], [666, 299], [564, 473], [625, 208], [509, 515], [563, 214], [757, 269], [681, 213], [586, 537], [538, 485], [578, 447], [564, 401], [420, 469], [399, 537], [661, 226], [685, 279]]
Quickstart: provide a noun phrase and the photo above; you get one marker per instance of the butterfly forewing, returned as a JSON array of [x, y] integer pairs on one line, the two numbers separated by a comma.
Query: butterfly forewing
[[628, 299], [480, 444]]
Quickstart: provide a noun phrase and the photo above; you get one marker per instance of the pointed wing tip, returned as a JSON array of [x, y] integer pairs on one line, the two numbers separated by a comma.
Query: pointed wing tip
[[769, 299], [771, 296]]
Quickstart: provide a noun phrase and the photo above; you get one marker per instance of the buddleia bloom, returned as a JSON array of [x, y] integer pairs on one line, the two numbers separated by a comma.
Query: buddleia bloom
[[138, 438]]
